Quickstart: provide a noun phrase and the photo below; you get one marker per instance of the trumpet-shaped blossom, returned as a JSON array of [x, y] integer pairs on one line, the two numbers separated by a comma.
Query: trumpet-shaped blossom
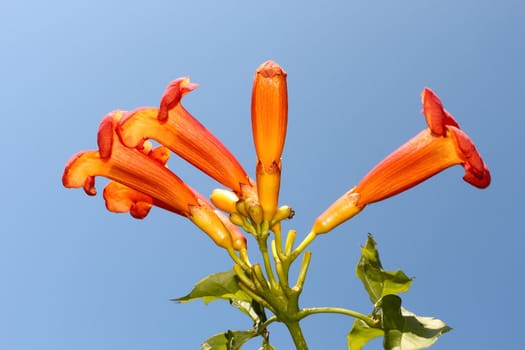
[[441, 145], [174, 127], [269, 123], [122, 199], [141, 180]]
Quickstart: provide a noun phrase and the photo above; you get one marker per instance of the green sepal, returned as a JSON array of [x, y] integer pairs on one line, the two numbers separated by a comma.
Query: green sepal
[[221, 285], [377, 281], [230, 340]]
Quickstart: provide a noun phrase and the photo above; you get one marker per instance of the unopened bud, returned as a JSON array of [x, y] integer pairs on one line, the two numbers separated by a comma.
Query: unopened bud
[[237, 219], [224, 200], [256, 213], [283, 213], [241, 208]]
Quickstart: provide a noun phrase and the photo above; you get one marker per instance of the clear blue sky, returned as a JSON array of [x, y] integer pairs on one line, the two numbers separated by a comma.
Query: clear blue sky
[[77, 277]]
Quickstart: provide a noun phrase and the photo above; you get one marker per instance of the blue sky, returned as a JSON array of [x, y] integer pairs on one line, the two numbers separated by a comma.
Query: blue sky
[[75, 276]]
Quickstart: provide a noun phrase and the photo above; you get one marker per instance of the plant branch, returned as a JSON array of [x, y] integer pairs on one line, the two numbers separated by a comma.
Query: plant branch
[[338, 310]]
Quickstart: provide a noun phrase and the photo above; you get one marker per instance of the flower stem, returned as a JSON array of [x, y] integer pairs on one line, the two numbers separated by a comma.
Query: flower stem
[[278, 239], [304, 269], [263, 247], [237, 259], [338, 310], [290, 239], [297, 335], [302, 246]]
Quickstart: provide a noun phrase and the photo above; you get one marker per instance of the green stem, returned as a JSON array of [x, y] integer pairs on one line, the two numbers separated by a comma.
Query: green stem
[[268, 322], [290, 239], [337, 310], [255, 296], [297, 335], [242, 276], [263, 247], [278, 239], [282, 273], [304, 269], [302, 246], [244, 256], [260, 282], [237, 259]]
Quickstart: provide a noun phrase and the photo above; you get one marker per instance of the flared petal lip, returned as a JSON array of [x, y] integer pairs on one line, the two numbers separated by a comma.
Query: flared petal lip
[[476, 171], [442, 123], [123, 164], [437, 117], [173, 94]]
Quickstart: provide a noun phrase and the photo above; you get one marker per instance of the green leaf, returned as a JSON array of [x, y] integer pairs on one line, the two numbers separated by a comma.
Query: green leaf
[[377, 281], [391, 315], [252, 309], [230, 340], [421, 332], [221, 285], [360, 334], [402, 330], [392, 321], [406, 331], [266, 346]]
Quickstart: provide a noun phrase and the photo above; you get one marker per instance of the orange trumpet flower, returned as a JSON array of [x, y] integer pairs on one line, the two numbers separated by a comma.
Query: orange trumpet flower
[[442, 145], [269, 122], [174, 127], [141, 180]]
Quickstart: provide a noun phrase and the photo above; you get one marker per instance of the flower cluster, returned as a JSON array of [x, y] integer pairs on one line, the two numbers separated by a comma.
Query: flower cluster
[[140, 178]]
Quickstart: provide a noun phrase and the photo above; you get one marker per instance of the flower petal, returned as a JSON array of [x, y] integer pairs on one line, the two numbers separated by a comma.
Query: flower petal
[[437, 117], [268, 187], [476, 171], [341, 210], [423, 156], [122, 199], [208, 221], [269, 112], [175, 128], [239, 240], [129, 167], [173, 94]]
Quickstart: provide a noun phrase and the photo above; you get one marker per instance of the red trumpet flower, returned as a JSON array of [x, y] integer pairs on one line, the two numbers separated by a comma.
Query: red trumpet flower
[[441, 145], [141, 180]]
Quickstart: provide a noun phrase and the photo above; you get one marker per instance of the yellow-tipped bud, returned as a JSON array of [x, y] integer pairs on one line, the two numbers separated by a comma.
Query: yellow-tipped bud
[[256, 213], [242, 208], [283, 213], [237, 219], [224, 200]]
